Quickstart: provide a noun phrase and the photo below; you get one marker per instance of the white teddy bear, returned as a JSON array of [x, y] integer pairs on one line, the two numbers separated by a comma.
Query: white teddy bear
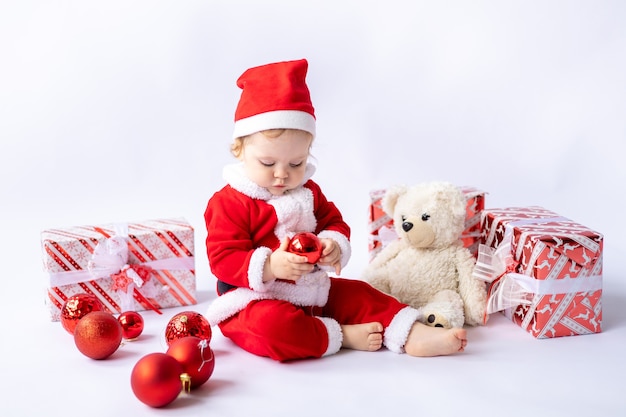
[[427, 267]]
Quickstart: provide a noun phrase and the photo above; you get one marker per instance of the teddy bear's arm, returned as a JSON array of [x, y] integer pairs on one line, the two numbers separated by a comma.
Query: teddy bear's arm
[[472, 290], [378, 280], [377, 273], [377, 277], [388, 253]]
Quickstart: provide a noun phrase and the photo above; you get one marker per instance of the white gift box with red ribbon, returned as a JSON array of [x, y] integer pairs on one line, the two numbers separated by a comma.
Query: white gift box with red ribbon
[[544, 271], [128, 266]]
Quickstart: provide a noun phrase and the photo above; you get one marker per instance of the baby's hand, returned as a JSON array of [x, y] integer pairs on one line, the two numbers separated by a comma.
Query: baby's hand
[[331, 254], [287, 265]]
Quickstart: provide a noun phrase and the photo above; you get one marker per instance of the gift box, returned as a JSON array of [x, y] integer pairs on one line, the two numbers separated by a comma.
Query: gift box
[[546, 271], [128, 266], [381, 230]]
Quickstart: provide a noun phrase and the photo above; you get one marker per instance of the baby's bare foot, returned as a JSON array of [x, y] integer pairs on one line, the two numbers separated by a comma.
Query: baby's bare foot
[[434, 341], [365, 336]]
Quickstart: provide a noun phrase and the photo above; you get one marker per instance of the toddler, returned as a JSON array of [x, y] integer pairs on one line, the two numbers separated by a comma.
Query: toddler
[[272, 302]]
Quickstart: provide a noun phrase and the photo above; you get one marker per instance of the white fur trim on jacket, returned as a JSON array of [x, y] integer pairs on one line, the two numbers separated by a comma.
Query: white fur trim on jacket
[[294, 212], [398, 330], [235, 176], [310, 290], [335, 335], [256, 269], [229, 304]]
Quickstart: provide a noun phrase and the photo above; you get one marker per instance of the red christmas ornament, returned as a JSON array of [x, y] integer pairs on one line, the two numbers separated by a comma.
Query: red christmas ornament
[[196, 357], [76, 307], [187, 323], [132, 324], [157, 379], [306, 244], [98, 335]]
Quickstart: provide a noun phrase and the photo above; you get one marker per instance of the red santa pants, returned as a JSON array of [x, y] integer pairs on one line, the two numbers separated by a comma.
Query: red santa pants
[[283, 331]]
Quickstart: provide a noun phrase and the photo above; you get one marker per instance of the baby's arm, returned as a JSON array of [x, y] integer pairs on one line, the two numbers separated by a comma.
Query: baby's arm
[[285, 265], [331, 254], [332, 230]]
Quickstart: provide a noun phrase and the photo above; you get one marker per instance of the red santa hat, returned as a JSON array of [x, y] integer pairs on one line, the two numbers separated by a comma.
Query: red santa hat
[[274, 96]]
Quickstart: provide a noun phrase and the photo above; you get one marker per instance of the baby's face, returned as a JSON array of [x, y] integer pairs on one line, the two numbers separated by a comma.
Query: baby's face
[[277, 164]]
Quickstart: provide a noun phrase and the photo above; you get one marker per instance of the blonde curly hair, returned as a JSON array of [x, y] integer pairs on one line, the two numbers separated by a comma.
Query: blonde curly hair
[[236, 148]]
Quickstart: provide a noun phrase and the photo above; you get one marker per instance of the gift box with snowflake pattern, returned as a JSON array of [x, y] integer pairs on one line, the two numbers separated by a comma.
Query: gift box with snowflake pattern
[[128, 266]]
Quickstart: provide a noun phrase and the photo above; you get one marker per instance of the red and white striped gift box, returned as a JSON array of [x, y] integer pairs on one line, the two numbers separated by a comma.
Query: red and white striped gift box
[[555, 261], [381, 230], [164, 246]]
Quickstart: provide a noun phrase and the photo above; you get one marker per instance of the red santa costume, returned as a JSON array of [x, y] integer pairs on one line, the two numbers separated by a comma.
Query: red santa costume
[[283, 319]]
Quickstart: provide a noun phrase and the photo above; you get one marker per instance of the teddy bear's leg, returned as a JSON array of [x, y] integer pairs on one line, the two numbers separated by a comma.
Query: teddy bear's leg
[[436, 319], [445, 309]]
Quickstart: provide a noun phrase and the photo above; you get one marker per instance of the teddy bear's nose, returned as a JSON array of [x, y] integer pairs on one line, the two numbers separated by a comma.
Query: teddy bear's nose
[[406, 226]]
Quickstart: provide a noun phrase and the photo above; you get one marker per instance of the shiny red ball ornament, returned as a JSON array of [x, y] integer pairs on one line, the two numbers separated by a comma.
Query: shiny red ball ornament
[[157, 379], [132, 324], [187, 323], [76, 307], [98, 335], [306, 244], [196, 357]]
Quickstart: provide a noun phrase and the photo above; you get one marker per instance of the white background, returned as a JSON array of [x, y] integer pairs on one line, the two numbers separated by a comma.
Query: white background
[[122, 111]]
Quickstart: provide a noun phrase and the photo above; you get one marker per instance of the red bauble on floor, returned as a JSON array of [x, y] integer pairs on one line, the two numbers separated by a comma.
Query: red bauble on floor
[[98, 335], [76, 307], [132, 324], [196, 357], [156, 379], [187, 323]]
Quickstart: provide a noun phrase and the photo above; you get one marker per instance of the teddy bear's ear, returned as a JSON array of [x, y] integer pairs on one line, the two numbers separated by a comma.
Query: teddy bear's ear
[[450, 196], [391, 198]]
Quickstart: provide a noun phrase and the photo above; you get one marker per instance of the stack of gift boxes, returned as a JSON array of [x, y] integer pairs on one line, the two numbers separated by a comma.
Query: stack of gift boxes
[[557, 262]]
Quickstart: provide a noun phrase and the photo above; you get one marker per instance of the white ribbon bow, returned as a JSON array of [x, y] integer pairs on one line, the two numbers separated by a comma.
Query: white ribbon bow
[[109, 258], [510, 289], [507, 288]]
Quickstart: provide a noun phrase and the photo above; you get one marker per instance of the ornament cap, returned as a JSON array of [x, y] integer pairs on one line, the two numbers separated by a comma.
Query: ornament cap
[[185, 378]]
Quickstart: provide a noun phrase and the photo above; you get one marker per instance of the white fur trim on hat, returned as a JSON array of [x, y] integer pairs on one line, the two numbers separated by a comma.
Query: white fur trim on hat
[[278, 119]]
